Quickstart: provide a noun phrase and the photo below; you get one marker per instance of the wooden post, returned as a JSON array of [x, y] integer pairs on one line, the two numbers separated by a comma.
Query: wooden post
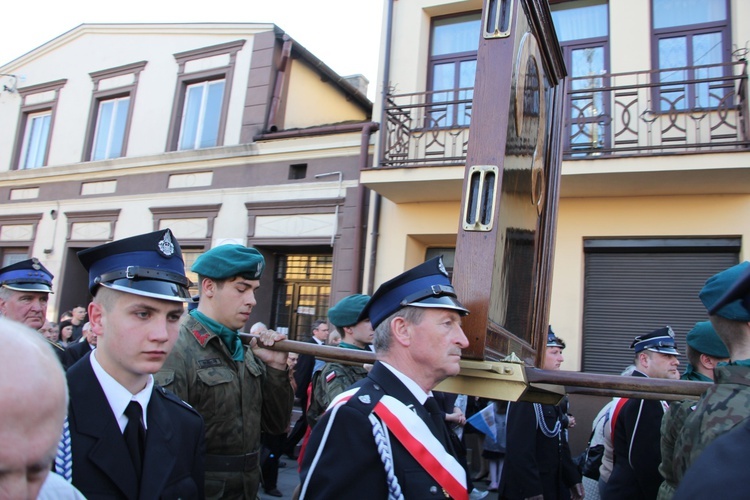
[[506, 233]]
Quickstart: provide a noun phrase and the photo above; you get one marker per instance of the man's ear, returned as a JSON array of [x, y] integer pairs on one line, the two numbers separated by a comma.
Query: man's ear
[[708, 361], [401, 330], [208, 287], [97, 315]]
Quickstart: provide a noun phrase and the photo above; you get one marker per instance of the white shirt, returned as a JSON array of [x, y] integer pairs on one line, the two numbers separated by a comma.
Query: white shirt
[[409, 383], [118, 396]]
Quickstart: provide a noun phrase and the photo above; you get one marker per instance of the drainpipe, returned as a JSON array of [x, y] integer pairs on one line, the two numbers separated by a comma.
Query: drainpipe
[[380, 149], [278, 88], [367, 130]]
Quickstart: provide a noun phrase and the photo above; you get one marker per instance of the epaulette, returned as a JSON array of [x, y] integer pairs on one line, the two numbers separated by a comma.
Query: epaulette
[[172, 397], [366, 398]]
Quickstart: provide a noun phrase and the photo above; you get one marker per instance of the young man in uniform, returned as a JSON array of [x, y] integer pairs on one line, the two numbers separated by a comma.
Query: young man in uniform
[[336, 377], [130, 438], [239, 391], [538, 461], [726, 403], [637, 426], [705, 351], [386, 436]]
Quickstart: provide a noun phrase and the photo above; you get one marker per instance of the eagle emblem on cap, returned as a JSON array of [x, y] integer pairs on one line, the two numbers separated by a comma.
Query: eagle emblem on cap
[[35, 264], [670, 332], [166, 247], [441, 267]]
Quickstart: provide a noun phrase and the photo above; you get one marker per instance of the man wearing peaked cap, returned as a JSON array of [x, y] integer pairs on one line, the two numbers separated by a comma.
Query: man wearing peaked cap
[[24, 290], [636, 435], [129, 437], [727, 401], [705, 351], [418, 342], [239, 391], [335, 377], [538, 460]]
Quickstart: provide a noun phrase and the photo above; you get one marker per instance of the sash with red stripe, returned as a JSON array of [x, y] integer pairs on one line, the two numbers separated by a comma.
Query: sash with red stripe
[[414, 434]]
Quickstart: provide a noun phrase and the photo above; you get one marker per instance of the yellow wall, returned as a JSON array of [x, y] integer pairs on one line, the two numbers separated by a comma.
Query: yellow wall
[[408, 229], [312, 101], [662, 216]]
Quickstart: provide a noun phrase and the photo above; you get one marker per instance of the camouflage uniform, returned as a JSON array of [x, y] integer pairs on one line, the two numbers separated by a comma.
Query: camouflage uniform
[[330, 381], [671, 425], [723, 406], [236, 400]]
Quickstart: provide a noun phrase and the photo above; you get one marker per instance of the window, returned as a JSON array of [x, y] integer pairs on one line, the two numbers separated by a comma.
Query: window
[[204, 80], [201, 115], [11, 255], [34, 151], [34, 130], [453, 63], [691, 38], [583, 30], [111, 111], [110, 128]]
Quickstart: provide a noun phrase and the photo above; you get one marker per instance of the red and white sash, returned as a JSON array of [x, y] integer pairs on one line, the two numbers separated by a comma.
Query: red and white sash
[[414, 434]]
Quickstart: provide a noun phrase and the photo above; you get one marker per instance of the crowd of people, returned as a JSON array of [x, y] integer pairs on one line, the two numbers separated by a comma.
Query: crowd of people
[[146, 400]]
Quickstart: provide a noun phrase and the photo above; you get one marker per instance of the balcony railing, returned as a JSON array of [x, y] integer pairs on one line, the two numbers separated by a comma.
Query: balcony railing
[[677, 110], [427, 128]]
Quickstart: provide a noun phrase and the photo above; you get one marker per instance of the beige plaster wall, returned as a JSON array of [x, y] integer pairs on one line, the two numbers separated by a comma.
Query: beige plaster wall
[[407, 230], [312, 101], [662, 216]]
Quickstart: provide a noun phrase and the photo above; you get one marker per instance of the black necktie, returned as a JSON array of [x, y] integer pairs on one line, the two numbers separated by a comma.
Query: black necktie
[[438, 421], [135, 435]]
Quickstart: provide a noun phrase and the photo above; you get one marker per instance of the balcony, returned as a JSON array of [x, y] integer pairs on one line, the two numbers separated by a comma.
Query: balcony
[[676, 111]]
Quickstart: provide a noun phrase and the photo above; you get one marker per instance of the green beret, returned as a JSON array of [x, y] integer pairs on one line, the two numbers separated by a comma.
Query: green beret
[[715, 288], [228, 261], [704, 339], [346, 312]]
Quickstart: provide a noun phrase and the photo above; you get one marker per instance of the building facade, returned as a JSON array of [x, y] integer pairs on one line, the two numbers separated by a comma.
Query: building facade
[[223, 132], [655, 191]]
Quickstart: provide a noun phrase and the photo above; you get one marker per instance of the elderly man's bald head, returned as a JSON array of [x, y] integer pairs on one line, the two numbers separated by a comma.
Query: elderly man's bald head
[[33, 405]]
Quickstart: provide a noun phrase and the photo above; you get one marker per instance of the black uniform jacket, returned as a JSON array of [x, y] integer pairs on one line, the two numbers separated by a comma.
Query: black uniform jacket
[[74, 352], [534, 463], [349, 466], [173, 461], [637, 450], [303, 372]]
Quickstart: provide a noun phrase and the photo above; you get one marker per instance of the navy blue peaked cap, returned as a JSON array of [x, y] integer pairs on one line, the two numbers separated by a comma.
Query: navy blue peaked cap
[[149, 264], [27, 276], [553, 340], [660, 340], [426, 285]]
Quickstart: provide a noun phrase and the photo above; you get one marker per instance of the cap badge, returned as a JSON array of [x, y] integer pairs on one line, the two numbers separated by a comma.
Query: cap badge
[[364, 399], [35, 264], [670, 332], [166, 247], [441, 267]]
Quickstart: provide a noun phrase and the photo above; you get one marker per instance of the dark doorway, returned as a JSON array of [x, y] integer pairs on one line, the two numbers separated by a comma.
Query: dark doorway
[[74, 284]]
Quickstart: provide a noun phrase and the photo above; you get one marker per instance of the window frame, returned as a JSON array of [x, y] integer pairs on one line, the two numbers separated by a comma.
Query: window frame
[[688, 31], [185, 79], [456, 58], [99, 96], [29, 108]]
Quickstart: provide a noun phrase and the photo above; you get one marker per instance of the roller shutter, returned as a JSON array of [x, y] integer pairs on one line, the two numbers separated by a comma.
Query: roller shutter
[[635, 286]]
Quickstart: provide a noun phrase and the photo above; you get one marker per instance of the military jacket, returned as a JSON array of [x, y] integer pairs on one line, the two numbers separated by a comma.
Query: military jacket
[[722, 407], [671, 425], [237, 400], [332, 380]]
